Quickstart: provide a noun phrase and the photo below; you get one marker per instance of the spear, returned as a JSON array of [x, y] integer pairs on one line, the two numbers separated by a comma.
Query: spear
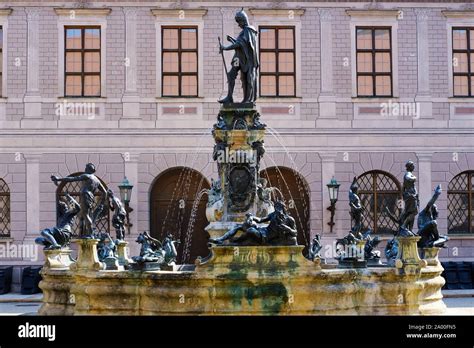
[[223, 58]]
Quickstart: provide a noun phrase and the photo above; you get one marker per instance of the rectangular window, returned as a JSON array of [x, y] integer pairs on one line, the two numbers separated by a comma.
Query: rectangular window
[[179, 68], [463, 62], [374, 61], [1, 60], [277, 62], [82, 62]]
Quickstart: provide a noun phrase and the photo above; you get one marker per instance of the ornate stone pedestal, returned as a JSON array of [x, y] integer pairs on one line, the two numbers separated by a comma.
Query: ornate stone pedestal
[[274, 259], [112, 263], [122, 254], [239, 138], [431, 256], [408, 261], [87, 258], [58, 259]]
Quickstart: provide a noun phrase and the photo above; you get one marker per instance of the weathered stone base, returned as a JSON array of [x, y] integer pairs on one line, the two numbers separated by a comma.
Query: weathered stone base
[[58, 259], [251, 280]]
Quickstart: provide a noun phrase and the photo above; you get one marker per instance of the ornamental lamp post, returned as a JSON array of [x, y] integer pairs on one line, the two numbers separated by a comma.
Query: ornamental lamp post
[[333, 189], [126, 188]]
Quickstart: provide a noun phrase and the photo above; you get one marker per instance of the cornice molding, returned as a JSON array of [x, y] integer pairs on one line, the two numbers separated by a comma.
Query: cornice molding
[[5, 11], [373, 13], [63, 11], [458, 14], [277, 12], [183, 13]]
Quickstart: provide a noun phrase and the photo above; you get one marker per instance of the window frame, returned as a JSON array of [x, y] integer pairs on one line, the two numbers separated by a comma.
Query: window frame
[[82, 17], [470, 206], [374, 192], [8, 216], [469, 50], [179, 50], [373, 51], [277, 50], [83, 51]]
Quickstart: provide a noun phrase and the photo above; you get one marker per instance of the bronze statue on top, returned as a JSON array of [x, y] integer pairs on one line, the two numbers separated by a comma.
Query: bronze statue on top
[[245, 60]]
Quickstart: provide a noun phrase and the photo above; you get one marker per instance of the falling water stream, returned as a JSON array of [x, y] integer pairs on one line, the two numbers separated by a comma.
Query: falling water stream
[[183, 185], [192, 219], [184, 177]]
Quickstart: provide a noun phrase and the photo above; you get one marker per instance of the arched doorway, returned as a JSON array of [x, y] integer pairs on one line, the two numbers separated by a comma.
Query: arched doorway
[[174, 199], [295, 192]]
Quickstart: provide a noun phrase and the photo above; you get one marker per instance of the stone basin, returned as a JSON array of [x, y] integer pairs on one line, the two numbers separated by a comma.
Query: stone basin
[[245, 280]]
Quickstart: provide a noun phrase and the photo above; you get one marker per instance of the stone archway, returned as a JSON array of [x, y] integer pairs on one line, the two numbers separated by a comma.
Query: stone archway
[[296, 194], [172, 198]]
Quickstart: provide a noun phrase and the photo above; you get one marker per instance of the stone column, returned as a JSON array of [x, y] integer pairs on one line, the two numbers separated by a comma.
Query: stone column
[[328, 170], [425, 186], [131, 172], [130, 99], [327, 102], [32, 98], [423, 94], [32, 196]]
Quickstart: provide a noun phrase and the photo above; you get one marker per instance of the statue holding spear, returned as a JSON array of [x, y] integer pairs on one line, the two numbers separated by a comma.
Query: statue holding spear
[[245, 60]]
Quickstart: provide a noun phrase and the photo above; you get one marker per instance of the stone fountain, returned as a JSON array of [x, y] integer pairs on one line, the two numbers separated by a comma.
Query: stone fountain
[[255, 266]]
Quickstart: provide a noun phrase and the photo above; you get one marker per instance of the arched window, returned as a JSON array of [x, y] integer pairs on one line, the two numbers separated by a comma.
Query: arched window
[[378, 190], [74, 189], [4, 209], [461, 203]]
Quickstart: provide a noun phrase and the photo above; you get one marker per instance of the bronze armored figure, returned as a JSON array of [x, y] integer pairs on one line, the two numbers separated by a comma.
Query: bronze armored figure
[[245, 60]]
